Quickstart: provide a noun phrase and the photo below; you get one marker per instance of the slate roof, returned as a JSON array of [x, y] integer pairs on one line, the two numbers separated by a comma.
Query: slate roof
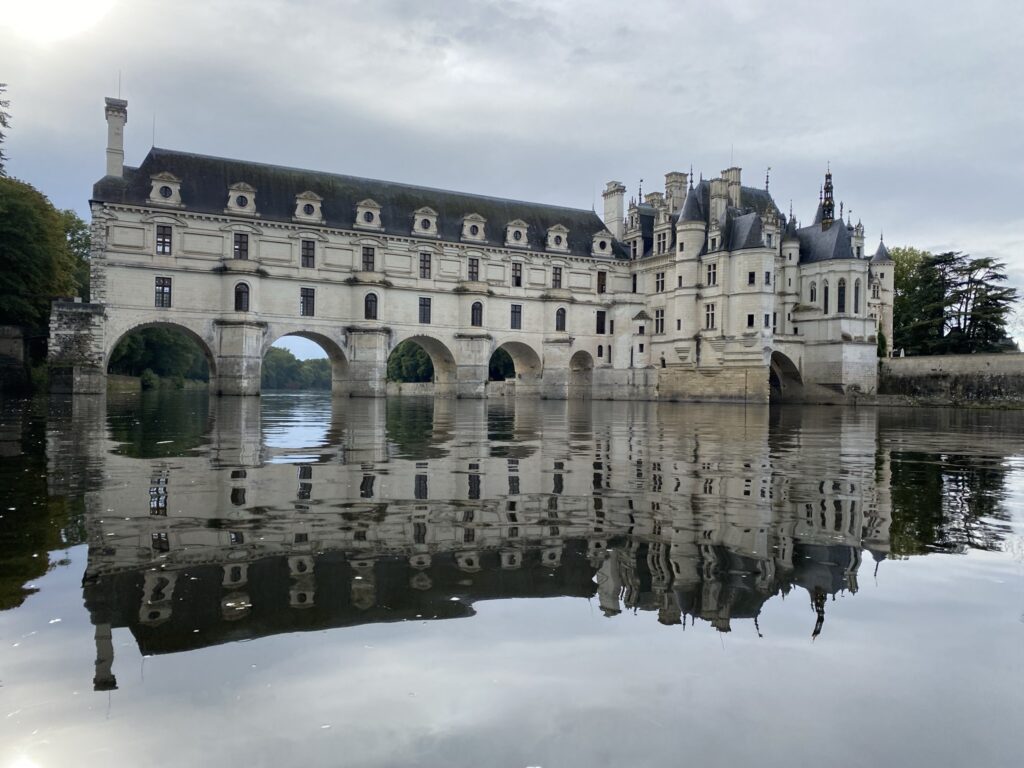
[[698, 202], [744, 232], [817, 244], [882, 254], [205, 182]]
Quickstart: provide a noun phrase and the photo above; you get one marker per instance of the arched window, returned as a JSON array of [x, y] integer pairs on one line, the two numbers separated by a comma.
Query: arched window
[[841, 296], [824, 296], [600, 350], [476, 314], [814, 293], [370, 306], [856, 297], [241, 298], [560, 320]]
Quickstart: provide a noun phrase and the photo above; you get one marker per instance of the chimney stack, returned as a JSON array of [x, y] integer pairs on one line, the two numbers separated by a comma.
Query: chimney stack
[[614, 210], [117, 115]]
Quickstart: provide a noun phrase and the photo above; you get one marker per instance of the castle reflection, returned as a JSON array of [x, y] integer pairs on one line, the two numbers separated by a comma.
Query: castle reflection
[[252, 518]]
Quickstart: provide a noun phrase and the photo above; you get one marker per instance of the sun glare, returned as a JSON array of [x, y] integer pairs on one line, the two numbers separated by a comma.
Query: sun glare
[[48, 21]]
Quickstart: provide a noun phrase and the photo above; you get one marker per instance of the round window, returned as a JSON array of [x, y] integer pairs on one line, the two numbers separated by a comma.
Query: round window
[[241, 201], [517, 235], [602, 245], [308, 209], [425, 224], [368, 217], [558, 239], [166, 191], [474, 230]]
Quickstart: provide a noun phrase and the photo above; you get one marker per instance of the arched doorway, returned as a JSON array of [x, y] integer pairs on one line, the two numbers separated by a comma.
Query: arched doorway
[[160, 355], [526, 364], [304, 361], [786, 385], [581, 374], [423, 360]]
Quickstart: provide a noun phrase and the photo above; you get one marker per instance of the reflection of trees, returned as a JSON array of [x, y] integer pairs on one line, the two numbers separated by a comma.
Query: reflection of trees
[[410, 427], [159, 423], [947, 503]]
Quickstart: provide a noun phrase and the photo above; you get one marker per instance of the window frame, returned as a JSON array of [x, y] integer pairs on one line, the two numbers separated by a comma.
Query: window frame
[[425, 310], [307, 254], [162, 292], [307, 302], [371, 306], [516, 317], [476, 314], [164, 239], [242, 294], [425, 265], [560, 317], [369, 255], [240, 246]]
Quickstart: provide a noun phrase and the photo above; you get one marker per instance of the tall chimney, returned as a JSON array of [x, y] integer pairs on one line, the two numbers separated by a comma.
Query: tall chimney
[[614, 210], [117, 115]]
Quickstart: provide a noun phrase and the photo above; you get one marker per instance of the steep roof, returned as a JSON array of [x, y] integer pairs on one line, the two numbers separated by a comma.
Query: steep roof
[[744, 232], [818, 244], [882, 254], [205, 182]]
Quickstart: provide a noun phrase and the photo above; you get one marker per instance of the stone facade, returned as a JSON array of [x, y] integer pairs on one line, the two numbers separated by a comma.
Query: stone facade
[[700, 292]]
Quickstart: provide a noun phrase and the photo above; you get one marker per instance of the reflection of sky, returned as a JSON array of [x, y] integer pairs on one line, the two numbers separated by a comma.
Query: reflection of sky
[[298, 420], [904, 675]]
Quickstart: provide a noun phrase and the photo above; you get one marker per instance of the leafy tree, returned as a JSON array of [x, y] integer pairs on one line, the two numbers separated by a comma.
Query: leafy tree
[[35, 262], [164, 351], [79, 242], [410, 363], [5, 123], [501, 366], [282, 370]]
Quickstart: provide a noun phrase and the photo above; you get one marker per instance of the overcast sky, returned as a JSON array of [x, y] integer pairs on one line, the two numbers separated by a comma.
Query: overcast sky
[[918, 106]]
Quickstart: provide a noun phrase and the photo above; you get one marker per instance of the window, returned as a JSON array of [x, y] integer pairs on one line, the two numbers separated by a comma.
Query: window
[[163, 239], [163, 292], [370, 306], [600, 321], [368, 258], [560, 320], [824, 296], [476, 314], [767, 278], [634, 248], [714, 243], [641, 348], [420, 487], [712, 274], [241, 298], [767, 321], [751, 278], [634, 283], [602, 282], [307, 302], [517, 274], [768, 240], [517, 317], [425, 265], [241, 250], [474, 269], [307, 256], [600, 350], [556, 277], [640, 331], [856, 297], [679, 324], [813, 298], [659, 321], [424, 310], [841, 296], [874, 291], [662, 240], [709, 316], [659, 282], [679, 280], [750, 321], [775, 320]]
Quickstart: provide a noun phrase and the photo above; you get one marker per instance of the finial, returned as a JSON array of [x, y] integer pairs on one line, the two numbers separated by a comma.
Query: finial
[[828, 166], [690, 177], [820, 194], [791, 208], [767, 174], [841, 204], [881, 236], [640, 191]]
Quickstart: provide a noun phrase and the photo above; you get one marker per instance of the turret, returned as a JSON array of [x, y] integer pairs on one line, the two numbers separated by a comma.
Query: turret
[[117, 115]]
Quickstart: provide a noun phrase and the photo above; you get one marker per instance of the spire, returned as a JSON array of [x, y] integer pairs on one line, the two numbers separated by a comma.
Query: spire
[[791, 208], [767, 175], [690, 177], [640, 191], [828, 204]]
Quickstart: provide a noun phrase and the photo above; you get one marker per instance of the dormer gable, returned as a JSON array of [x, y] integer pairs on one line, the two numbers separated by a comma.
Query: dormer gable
[[308, 208], [602, 244], [558, 239], [368, 215], [241, 199], [474, 227], [424, 222], [166, 190], [515, 234]]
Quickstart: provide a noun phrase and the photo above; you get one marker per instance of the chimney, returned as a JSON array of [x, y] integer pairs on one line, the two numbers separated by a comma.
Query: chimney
[[614, 212], [732, 176], [675, 190], [117, 115]]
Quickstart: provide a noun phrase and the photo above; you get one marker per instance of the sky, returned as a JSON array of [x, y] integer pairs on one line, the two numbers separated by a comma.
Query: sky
[[915, 105]]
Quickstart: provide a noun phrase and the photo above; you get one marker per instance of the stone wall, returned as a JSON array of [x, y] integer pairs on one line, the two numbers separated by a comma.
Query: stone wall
[[76, 348], [953, 380]]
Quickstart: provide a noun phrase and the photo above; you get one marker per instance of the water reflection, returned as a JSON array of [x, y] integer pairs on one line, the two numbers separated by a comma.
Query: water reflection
[[209, 521]]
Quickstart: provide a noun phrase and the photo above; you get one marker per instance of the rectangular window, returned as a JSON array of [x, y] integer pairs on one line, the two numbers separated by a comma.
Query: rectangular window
[[679, 324], [517, 274], [709, 316], [425, 265], [775, 321], [307, 302], [659, 282], [714, 243], [556, 277], [163, 239], [602, 282], [750, 321], [767, 321], [163, 292], [474, 269], [679, 281], [600, 319], [420, 487], [767, 278], [517, 317], [307, 256], [368, 258], [634, 248], [641, 347], [424, 310], [659, 321], [712, 274], [634, 283], [241, 250], [751, 278], [662, 242]]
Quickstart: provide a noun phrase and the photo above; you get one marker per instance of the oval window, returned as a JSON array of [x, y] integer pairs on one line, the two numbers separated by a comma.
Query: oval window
[[166, 191], [517, 235], [558, 239], [425, 224], [602, 245], [368, 217], [241, 201], [308, 209], [474, 230]]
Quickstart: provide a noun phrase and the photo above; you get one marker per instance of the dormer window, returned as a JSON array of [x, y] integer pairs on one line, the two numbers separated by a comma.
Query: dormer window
[[474, 227], [307, 207], [166, 190], [424, 222], [602, 243], [368, 215], [241, 199], [558, 239], [515, 233]]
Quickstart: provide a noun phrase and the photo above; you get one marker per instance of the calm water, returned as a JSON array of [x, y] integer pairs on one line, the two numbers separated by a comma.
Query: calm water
[[279, 582]]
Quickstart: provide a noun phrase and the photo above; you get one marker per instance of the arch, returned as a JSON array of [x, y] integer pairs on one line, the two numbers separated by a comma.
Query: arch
[[813, 293], [339, 361], [527, 362], [476, 314], [370, 306], [824, 296], [241, 297], [202, 343], [784, 379], [581, 374], [560, 319], [441, 358], [856, 296], [600, 350], [841, 296]]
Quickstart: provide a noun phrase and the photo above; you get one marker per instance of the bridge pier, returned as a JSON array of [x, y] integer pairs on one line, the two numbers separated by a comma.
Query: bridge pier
[[239, 357], [365, 373]]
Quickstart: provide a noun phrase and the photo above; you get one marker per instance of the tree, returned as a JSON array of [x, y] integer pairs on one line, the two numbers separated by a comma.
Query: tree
[[5, 124], [501, 366], [282, 370], [410, 363], [79, 242], [164, 351], [35, 263]]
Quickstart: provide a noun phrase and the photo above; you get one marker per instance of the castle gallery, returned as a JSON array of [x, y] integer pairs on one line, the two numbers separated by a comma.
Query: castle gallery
[[705, 291]]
